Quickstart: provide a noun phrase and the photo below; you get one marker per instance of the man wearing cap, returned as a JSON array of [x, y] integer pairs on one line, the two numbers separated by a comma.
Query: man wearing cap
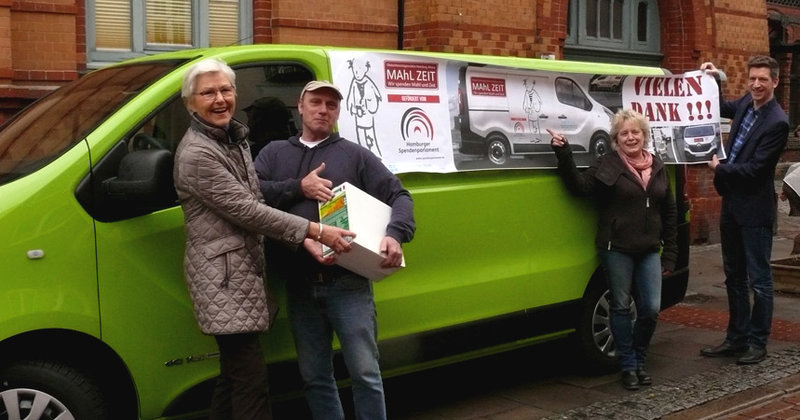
[[324, 298]]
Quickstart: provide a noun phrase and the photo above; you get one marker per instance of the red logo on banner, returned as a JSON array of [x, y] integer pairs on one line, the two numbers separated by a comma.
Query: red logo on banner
[[416, 126], [430, 99], [407, 74], [488, 86]]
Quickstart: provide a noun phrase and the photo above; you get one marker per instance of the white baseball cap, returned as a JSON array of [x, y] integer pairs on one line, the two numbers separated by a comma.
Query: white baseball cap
[[320, 84]]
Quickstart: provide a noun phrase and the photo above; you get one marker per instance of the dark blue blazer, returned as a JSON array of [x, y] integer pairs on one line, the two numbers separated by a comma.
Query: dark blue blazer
[[747, 186]]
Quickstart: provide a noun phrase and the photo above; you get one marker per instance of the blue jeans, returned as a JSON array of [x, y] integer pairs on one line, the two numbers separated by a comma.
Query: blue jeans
[[629, 273], [745, 257], [346, 306]]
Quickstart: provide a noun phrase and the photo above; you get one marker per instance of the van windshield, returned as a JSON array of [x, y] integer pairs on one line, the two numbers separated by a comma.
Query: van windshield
[[53, 124], [699, 131]]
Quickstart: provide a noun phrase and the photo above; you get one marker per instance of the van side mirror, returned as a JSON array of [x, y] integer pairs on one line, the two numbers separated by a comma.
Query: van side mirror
[[125, 184], [143, 181]]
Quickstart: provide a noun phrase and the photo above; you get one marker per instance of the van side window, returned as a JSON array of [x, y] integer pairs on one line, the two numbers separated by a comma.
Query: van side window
[[568, 92], [267, 101], [135, 177], [43, 131], [163, 130]]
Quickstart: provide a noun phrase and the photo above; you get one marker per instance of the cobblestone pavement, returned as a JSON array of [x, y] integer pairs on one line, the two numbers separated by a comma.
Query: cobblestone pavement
[[768, 390], [686, 385], [777, 404], [541, 385], [711, 319], [675, 396], [674, 399]]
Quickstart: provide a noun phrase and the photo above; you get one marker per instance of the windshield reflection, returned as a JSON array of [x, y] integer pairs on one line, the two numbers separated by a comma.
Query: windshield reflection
[[53, 124]]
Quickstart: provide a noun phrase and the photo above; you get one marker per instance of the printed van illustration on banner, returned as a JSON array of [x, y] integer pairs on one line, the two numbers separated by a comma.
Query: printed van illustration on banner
[[424, 114]]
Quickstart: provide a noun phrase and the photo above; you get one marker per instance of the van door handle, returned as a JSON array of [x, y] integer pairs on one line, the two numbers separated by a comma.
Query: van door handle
[[562, 117], [544, 116]]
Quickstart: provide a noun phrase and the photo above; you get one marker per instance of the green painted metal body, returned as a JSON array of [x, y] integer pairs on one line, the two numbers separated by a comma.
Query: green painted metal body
[[488, 243]]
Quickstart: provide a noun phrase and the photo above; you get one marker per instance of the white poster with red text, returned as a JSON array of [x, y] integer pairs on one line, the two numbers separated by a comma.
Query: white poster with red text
[[423, 114], [684, 114], [397, 107]]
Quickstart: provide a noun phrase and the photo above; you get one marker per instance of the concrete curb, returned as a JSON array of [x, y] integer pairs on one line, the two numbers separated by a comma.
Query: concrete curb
[[740, 401]]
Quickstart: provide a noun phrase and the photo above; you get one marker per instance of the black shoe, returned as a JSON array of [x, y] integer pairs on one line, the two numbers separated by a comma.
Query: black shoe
[[644, 378], [754, 355], [629, 380], [723, 350]]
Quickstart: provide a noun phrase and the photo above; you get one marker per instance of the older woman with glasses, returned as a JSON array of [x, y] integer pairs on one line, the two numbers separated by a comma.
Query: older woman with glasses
[[226, 221]]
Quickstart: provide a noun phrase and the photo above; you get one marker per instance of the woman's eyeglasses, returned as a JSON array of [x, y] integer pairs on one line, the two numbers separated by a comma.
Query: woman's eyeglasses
[[227, 92]]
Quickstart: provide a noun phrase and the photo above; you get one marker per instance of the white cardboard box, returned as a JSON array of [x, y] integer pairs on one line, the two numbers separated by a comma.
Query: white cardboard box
[[355, 210]]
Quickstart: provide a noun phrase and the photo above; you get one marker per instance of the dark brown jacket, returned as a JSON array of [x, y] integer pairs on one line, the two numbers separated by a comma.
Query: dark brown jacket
[[631, 219]]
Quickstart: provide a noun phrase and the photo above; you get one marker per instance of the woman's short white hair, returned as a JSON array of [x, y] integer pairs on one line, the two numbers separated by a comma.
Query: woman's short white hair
[[208, 65], [624, 115]]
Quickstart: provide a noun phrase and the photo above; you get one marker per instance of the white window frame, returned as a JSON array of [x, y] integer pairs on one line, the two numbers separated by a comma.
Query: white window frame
[[200, 37]]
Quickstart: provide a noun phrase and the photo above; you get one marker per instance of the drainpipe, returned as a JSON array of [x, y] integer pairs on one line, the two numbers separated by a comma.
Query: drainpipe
[[400, 23], [794, 88]]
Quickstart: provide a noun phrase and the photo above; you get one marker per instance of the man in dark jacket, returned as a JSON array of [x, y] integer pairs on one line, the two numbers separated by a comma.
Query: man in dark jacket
[[324, 298], [745, 181]]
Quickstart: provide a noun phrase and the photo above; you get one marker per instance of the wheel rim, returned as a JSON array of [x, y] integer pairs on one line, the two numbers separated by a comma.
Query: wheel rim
[[601, 325], [600, 147], [31, 404], [498, 153]]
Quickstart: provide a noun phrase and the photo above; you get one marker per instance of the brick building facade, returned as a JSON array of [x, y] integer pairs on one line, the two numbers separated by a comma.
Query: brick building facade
[[43, 44]]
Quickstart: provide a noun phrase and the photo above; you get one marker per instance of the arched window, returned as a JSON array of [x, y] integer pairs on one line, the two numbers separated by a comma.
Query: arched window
[[619, 31]]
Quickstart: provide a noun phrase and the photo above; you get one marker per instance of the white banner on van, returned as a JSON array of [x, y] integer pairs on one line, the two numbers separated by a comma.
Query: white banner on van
[[397, 107], [422, 114]]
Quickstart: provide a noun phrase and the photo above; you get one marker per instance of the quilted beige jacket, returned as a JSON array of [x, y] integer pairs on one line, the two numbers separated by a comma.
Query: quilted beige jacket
[[225, 220]]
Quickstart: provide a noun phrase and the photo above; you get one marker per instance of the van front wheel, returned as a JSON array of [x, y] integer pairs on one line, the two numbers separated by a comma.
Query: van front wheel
[[498, 150], [594, 328], [599, 145], [42, 390]]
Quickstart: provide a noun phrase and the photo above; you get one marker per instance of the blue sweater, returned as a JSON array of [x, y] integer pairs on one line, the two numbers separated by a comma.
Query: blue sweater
[[281, 165]]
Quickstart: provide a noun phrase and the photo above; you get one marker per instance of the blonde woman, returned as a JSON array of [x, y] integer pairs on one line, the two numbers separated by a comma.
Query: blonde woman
[[636, 233]]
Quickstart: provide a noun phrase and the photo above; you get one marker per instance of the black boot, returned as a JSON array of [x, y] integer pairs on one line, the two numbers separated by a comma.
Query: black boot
[[629, 380], [644, 378]]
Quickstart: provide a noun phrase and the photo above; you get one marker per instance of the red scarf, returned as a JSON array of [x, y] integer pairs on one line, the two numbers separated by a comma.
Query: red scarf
[[640, 167]]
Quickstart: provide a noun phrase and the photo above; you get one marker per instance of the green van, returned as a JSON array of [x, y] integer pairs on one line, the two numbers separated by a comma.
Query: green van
[[95, 318]]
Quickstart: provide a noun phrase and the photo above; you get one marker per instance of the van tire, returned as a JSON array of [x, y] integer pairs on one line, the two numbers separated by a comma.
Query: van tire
[[600, 145], [498, 150], [594, 329], [67, 391]]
